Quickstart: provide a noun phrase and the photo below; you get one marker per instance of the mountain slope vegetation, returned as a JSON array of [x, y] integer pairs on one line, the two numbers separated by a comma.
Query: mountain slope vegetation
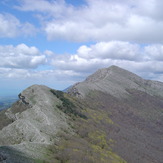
[[114, 116]]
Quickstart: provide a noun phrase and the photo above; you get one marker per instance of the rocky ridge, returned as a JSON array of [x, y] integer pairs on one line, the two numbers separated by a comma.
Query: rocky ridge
[[34, 124]]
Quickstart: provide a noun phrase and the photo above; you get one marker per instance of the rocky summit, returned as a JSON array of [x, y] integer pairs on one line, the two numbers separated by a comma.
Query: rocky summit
[[114, 116], [116, 82]]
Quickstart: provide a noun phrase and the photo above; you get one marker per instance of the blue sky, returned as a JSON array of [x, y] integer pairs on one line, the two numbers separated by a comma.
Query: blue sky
[[60, 42]]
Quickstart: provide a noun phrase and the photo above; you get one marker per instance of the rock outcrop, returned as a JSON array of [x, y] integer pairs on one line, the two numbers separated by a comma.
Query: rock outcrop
[[35, 121]]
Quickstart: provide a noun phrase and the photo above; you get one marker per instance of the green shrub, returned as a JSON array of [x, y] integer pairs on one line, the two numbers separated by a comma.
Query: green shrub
[[67, 106]]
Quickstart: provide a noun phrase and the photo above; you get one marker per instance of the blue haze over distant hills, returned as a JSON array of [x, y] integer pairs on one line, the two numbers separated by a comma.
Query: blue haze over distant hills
[[7, 101]]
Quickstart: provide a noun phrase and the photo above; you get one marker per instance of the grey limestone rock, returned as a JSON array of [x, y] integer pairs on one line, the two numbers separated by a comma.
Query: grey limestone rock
[[116, 82], [36, 125]]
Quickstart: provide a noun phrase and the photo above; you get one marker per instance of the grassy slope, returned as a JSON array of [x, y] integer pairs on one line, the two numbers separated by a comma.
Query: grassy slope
[[137, 129], [90, 143]]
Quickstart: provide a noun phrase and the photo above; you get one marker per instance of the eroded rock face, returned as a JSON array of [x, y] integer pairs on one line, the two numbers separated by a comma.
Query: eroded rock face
[[35, 122]]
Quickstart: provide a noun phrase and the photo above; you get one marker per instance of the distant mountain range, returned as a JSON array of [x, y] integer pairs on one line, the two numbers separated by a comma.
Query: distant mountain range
[[114, 116]]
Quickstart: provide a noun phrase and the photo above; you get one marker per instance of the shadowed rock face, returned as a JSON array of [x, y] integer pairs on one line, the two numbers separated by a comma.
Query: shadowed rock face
[[11, 155]]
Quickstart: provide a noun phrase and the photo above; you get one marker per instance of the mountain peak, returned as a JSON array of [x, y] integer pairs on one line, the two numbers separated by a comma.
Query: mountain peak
[[110, 72], [116, 82], [114, 68]]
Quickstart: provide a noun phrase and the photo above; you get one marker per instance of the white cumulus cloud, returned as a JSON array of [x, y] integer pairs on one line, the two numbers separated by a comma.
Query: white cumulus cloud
[[100, 20], [11, 27], [20, 56], [155, 52], [143, 60]]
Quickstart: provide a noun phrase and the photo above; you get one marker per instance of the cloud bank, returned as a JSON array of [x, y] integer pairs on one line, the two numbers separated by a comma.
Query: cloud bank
[[100, 20], [21, 56], [24, 61], [134, 57]]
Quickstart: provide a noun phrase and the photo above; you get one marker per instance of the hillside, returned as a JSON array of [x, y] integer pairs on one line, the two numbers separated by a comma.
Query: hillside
[[114, 116], [134, 105], [43, 126]]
